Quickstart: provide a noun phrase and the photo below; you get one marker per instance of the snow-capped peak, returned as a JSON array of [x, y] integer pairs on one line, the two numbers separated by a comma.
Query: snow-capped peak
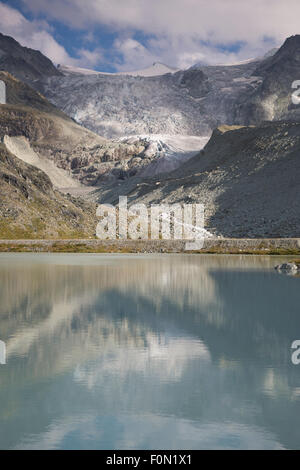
[[70, 70], [157, 68]]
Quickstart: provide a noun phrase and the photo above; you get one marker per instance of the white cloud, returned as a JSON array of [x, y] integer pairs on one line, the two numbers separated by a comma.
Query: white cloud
[[133, 55], [218, 20], [37, 35], [87, 58], [181, 52], [177, 32], [181, 31]]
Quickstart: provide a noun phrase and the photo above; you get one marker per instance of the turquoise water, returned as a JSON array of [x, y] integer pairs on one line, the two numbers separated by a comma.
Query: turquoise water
[[148, 352]]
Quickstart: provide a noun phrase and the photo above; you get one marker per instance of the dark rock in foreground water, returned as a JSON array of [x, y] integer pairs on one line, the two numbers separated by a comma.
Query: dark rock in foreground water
[[289, 268]]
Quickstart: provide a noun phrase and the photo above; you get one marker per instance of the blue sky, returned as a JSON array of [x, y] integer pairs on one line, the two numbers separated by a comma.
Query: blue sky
[[124, 35]]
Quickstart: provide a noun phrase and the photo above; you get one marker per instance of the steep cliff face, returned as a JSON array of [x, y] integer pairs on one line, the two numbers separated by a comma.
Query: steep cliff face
[[30, 207]]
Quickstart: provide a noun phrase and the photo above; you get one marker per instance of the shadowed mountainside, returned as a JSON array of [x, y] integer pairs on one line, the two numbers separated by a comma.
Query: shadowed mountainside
[[25, 63], [247, 178]]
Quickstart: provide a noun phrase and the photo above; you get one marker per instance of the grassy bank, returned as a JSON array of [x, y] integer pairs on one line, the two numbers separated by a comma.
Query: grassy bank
[[288, 246]]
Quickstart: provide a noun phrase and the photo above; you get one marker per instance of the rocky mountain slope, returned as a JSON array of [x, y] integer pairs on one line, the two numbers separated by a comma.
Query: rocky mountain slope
[[271, 99], [43, 150], [54, 142], [87, 157], [246, 177], [247, 174], [24, 63], [31, 208]]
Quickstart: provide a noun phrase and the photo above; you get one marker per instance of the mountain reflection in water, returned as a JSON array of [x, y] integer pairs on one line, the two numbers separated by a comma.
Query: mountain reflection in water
[[154, 351]]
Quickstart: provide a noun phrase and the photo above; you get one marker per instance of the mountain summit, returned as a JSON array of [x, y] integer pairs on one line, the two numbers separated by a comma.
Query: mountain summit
[[157, 68]]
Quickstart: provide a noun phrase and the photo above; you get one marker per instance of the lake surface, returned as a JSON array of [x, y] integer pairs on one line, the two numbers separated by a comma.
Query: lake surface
[[148, 352]]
